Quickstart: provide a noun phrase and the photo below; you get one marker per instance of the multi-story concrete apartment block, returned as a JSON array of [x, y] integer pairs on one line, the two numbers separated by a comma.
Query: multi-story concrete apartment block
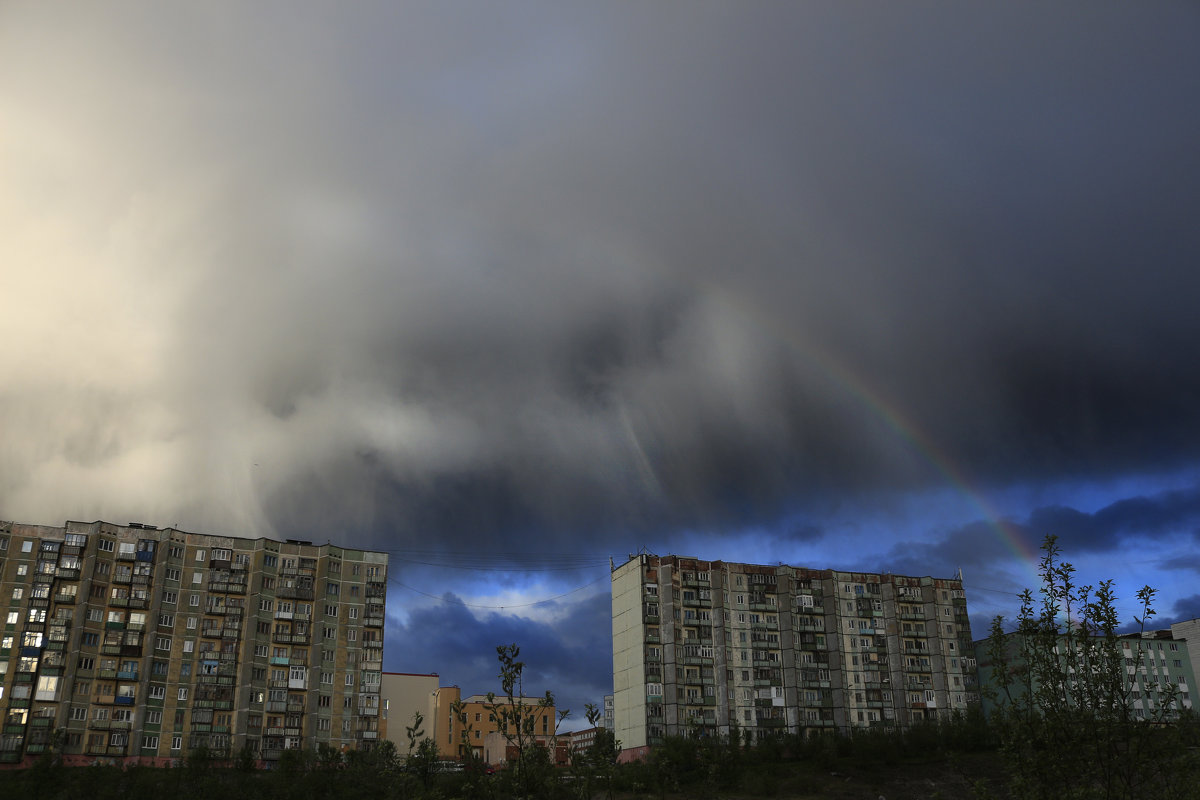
[[140, 643], [1188, 633], [725, 647], [1159, 678]]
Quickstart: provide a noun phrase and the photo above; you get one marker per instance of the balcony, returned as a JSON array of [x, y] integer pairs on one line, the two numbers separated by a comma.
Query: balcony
[[295, 593]]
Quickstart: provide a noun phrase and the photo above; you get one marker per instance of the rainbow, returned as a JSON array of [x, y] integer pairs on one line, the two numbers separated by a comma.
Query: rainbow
[[857, 387]]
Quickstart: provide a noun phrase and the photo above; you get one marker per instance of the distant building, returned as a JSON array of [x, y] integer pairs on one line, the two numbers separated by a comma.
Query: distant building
[[582, 740], [1153, 661], [479, 722], [405, 694], [142, 645], [716, 647]]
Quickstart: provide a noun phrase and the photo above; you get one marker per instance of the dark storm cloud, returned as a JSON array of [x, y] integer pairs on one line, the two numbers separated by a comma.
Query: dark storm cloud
[[1188, 562], [976, 548], [570, 656], [980, 548], [438, 269], [1183, 609]]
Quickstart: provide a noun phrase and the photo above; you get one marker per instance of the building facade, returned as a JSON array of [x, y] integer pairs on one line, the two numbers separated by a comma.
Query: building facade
[[1160, 681], [405, 694], [144, 644], [1188, 632], [478, 723], [718, 648]]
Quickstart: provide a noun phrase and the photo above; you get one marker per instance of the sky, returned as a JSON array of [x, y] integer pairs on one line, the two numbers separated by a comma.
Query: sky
[[508, 290]]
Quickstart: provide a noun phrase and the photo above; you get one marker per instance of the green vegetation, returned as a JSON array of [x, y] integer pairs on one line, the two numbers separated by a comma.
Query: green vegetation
[[1078, 715]]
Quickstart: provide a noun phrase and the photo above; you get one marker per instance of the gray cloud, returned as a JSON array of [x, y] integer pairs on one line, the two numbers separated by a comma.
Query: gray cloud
[[476, 272]]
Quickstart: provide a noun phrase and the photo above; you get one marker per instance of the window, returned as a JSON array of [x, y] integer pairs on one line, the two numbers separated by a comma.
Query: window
[[197, 578], [158, 692], [177, 742], [326, 677], [79, 712], [194, 600], [351, 635], [268, 583], [86, 663], [199, 555], [331, 589], [13, 617], [266, 605], [349, 678], [90, 639], [162, 643], [183, 693], [188, 646], [149, 742], [353, 613], [27, 546], [18, 593], [169, 597], [270, 560], [172, 574]]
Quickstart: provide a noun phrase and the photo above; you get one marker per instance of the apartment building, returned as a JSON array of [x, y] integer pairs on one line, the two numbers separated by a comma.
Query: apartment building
[[1188, 632], [718, 647], [1160, 680], [142, 644]]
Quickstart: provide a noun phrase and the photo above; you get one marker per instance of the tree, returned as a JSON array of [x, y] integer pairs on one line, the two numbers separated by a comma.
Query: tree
[[1066, 687], [516, 718]]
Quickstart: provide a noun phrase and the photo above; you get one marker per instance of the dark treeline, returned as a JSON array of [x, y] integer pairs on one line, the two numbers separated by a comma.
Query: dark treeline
[[681, 766], [964, 756]]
